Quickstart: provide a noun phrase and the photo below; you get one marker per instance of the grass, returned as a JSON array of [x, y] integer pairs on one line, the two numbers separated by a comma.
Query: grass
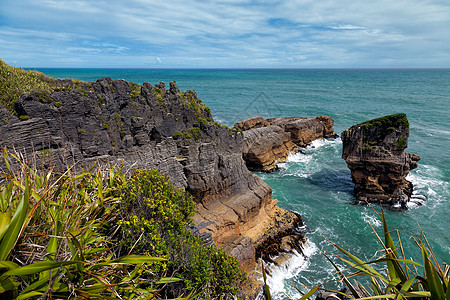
[[390, 121], [191, 135], [194, 104], [15, 81]]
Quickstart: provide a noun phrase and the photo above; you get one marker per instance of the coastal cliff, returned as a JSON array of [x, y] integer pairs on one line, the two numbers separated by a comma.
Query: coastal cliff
[[143, 126], [267, 142], [375, 153]]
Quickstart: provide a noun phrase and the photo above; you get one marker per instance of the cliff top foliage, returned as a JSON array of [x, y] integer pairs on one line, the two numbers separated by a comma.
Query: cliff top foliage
[[103, 235], [15, 81], [390, 121]]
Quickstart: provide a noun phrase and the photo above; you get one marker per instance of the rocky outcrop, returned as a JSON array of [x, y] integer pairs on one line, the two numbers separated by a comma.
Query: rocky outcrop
[[375, 153], [304, 131], [265, 146], [144, 126], [267, 142]]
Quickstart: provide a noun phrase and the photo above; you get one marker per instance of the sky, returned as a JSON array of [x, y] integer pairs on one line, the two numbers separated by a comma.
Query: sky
[[226, 33]]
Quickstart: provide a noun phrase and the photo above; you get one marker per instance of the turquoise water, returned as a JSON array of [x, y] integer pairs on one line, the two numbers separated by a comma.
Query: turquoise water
[[317, 183]]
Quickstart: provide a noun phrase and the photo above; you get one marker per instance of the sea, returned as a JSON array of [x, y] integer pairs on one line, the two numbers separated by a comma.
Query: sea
[[316, 183]]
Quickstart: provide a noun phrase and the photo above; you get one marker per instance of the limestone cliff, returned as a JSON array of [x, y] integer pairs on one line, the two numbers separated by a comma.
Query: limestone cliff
[[267, 142], [375, 153], [145, 126]]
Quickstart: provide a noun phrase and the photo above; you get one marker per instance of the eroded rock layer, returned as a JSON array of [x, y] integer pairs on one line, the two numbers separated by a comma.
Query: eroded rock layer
[[145, 126], [375, 153], [267, 142]]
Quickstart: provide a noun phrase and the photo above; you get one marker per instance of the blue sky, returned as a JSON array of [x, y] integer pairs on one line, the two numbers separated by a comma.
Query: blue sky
[[226, 33]]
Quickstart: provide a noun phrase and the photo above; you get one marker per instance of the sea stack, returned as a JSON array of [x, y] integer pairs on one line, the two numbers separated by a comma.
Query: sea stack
[[375, 153]]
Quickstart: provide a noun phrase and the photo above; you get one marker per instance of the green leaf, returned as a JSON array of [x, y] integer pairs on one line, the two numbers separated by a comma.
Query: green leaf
[[347, 283], [37, 284], [37, 267], [408, 261], [308, 294], [8, 284], [6, 264], [375, 286], [165, 280], [394, 282], [29, 295], [433, 280], [78, 246], [266, 287], [405, 287], [95, 288], [6, 159], [394, 268], [14, 228], [129, 259], [360, 263], [5, 220]]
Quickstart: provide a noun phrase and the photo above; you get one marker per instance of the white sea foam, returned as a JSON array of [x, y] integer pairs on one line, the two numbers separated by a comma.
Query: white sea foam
[[427, 185], [299, 158], [372, 220], [289, 269], [324, 142]]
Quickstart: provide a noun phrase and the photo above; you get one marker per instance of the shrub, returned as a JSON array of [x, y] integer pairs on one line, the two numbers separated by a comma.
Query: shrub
[[190, 135], [135, 90], [157, 215]]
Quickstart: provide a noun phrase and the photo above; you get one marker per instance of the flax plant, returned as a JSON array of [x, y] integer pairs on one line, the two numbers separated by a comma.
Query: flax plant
[[401, 278], [55, 237]]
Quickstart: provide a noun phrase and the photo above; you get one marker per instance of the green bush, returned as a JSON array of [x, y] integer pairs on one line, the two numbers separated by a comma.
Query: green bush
[[157, 215], [193, 134]]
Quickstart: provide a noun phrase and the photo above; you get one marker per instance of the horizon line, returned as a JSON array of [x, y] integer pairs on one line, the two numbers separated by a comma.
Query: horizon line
[[249, 68]]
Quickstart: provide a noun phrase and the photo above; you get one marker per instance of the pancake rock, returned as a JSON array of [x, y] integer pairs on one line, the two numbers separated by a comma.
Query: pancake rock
[[375, 153], [144, 126], [267, 142]]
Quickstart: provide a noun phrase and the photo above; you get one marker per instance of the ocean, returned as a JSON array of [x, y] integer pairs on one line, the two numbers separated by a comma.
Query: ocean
[[317, 183]]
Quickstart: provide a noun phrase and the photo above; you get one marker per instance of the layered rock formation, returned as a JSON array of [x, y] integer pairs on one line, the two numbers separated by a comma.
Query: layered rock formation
[[118, 122], [267, 142], [375, 153]]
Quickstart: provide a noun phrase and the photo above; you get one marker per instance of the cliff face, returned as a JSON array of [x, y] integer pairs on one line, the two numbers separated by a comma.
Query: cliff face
[[375, 153], [267, 142], [117, 122]]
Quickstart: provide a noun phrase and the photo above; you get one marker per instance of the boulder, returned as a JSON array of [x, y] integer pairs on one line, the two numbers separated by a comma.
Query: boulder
[[375, 153]]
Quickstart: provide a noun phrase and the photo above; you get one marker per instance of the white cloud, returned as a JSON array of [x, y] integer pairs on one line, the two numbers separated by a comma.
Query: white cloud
[[234, 33]]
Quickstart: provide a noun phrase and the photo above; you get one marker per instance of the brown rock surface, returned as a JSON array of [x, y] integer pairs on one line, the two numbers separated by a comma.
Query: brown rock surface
[[255, 122], [375, 153], [304, 131], [265, 146], [267, 142]]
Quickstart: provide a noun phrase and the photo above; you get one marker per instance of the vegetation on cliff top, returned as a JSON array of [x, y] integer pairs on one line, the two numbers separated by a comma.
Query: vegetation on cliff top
[[15, 81], [390, 121], [104, 235]]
